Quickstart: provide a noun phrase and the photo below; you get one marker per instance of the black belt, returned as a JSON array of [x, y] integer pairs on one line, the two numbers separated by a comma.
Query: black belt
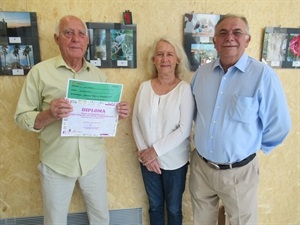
[[228, 166]]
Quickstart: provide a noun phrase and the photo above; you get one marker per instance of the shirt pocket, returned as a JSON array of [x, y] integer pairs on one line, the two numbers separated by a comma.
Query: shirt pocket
[[244, 109]]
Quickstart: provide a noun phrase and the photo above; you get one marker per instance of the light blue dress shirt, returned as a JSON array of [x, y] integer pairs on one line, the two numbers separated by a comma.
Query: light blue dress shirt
[[238, 112]]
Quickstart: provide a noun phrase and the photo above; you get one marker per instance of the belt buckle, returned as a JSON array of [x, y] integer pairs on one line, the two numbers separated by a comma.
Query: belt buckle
[[213, 165]]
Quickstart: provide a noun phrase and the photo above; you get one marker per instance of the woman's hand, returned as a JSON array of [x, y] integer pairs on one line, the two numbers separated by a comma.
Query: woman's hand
[[154, 167], [146, 156]]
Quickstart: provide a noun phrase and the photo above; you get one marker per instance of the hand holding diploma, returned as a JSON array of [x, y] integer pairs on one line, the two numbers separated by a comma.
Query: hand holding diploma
[[123, 109]]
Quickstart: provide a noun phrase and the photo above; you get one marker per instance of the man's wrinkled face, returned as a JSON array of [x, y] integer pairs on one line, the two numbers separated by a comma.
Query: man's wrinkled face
[[231, 39], [73, 39]]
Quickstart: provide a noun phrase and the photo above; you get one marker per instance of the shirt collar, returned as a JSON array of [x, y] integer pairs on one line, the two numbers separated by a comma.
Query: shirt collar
[[240, 64], [59, 62]]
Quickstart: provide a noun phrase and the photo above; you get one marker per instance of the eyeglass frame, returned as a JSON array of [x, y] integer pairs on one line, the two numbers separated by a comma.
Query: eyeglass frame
[[70, 33], [237, 33]]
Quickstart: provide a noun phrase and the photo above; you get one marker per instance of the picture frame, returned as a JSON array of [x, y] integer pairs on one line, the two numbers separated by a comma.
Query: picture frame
[[198, 38], [19, 43], [281, 47], [112, 45]]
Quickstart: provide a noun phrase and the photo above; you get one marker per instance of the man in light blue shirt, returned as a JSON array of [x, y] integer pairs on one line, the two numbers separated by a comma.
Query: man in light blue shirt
[[240, 108]]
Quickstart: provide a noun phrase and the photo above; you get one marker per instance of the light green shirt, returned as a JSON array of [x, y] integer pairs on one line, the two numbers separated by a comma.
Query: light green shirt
[[70, 156]]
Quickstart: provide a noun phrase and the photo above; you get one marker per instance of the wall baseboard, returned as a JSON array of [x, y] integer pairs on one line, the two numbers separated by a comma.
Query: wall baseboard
[[117, 216]]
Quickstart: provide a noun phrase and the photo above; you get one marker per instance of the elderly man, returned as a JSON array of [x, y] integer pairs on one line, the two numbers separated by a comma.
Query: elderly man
[[65, 160], [240, 108]]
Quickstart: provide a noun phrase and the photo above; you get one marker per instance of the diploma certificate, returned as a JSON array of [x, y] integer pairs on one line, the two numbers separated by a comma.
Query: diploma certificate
[[94, 109]]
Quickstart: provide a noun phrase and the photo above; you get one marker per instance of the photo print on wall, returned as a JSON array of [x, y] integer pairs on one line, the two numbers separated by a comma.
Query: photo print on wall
[[19, 44], [198, 38], [281, 47], [112, 45]]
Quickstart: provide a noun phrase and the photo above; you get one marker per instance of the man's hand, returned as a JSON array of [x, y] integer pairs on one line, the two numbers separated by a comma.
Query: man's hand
[[123, 109], [60, 108]]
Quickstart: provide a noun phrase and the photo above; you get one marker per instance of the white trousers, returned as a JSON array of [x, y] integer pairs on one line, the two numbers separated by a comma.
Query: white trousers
[[57, 192]]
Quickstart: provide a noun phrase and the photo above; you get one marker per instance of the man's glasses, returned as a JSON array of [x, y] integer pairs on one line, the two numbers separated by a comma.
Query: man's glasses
[[68, 33], [235, 33]]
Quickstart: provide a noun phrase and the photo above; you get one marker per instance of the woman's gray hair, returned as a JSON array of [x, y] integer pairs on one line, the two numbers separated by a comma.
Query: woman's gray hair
[[182, 67]]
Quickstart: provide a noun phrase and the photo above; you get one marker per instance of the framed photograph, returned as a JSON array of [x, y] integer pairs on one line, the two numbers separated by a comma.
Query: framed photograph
[[112, 45], [198, 38], [281, 47], [19, 44]]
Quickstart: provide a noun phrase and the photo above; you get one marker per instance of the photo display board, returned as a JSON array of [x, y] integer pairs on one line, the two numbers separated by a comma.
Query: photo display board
[[19, 44], [281, 47], [112, 45], [198, 38]]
